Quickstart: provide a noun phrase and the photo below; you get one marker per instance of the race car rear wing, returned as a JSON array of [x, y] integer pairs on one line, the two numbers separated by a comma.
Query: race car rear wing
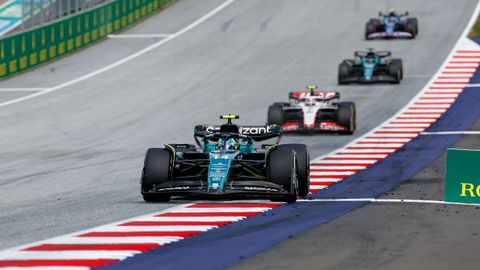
[[381, 54], [381, 14], [257, 133], [326, 95]]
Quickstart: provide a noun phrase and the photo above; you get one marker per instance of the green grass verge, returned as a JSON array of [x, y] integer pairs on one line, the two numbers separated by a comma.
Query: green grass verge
[[475, 31]]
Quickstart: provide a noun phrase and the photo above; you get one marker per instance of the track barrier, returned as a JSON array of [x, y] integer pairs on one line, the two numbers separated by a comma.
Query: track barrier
[[40, 45], [462, 183]]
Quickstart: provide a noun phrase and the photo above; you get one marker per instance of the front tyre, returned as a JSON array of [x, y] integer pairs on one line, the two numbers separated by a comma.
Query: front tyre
[[156, 170], [303, 167], [412, 26], [370, 28], [347, 117], [343, 72], [282, 171]]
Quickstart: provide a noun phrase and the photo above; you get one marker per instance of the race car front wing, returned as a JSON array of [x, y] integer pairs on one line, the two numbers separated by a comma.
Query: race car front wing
[[375, 79], [321, 127], [232, 188], [384, 35]]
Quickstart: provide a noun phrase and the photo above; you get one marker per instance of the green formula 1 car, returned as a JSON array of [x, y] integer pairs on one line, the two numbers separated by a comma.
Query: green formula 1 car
[[226, 163]]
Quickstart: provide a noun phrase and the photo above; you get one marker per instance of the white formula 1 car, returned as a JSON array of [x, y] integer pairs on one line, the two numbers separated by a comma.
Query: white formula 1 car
[[314, 111]]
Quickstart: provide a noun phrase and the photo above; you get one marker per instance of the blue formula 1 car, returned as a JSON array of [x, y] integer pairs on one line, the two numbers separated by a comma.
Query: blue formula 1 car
[[226, 163], [391, 25], [370, 67]]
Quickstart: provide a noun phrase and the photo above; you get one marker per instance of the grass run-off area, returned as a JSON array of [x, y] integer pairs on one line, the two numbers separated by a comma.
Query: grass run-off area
[[475, 31]]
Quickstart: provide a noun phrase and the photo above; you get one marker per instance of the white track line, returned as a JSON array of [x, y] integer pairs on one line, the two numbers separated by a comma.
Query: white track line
[[161, 228], [454, 96], [47, 268], [214, 209], [395, 125], [124, 60], [67, 255], [388, 201], [396, 141], [26, 89], [192, 219], [369, 151], [162, 240], [473, 85], [451, 133], [405, 112], [346, 173], [122, 36], [72, 238], [182, 208], [329, 179]]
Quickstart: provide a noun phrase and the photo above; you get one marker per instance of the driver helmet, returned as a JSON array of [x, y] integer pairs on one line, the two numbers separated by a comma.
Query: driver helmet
[[231, 144], [309, 102], [220, 143], [391, 12]]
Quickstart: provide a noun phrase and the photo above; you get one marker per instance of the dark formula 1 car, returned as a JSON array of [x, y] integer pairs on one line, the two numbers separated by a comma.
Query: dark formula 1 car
[[391, 25], [227, 163], [370, 67], [314, 111]]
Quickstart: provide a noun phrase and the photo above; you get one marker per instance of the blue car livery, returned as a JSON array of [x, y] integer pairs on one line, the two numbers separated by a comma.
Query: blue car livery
[[391, 25]]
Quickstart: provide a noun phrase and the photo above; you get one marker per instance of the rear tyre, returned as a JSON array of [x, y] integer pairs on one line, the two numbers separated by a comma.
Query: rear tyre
[[275, 115], [282, 171], [156, 170], [370, 28], [347, 117], [395, 69], [303, 167], [343, 72], [376, 22]]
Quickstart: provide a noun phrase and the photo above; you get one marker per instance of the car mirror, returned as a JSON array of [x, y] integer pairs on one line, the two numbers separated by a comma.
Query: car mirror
[[265, 146]]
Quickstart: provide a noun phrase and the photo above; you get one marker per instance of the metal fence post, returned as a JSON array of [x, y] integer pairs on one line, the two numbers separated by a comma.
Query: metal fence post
[[69, 7], [42, 12], [30, 16], [77, 5], [23, 13], [60, 9]]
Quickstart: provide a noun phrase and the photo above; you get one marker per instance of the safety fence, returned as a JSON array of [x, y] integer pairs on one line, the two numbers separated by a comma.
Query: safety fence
[[39, 45], [39, 12]]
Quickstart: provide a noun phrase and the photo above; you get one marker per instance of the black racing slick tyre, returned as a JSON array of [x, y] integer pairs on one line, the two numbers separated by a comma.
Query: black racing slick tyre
[[303, 167], [347, 117], [156, 170], [275, 115], [410, 27], [343, 72], [370, 28], [282, 171], [395, 69], [376, 22], [413, 22]]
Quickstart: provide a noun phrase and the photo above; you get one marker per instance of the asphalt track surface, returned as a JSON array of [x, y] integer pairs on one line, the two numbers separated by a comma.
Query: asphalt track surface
[[72, 158], [390, 235]]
